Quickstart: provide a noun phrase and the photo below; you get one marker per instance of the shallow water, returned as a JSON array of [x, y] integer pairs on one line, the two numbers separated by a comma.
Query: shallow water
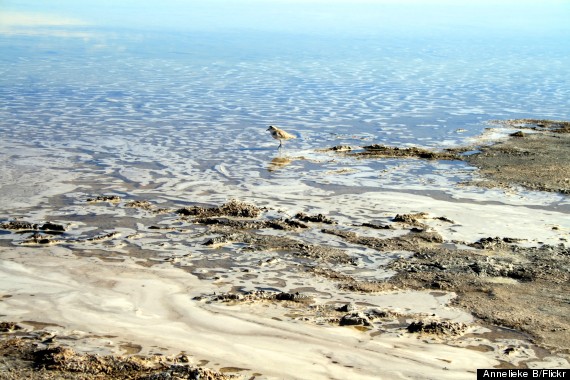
[[176, 112], [143, 97]]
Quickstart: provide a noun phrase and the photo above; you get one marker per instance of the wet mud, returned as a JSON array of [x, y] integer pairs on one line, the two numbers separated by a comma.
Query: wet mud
[[501, 283], [524, 160], [498, 279], [520, 160], [27, 356], [382, 151], [233, 208]]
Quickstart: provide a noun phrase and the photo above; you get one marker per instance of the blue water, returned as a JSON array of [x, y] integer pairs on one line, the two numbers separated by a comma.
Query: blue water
[[177, 88]]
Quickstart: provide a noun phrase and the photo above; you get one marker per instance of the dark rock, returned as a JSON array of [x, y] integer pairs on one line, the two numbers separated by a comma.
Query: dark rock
[[294, 223], [341, 148], [192, 211], [410, 218], [494, 243], [319, 218], [349, 307], [22, 225], [145, 205], [9, 327], [281, 224], [287, 296], [437, 327], [377, 226], [355, 319], [285, 224], [382, 151], [215, 240], [105, 198], [373, 314], [18, 225], [229, 297], [49, 226], [38, 238], [232, 208], [53, 358]]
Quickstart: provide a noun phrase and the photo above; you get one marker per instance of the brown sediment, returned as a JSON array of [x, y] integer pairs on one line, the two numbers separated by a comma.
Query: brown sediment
[[536, 161], [232, 208], [383, 151], [501, 282], [436, 327], [105, 198], [319, 218], [277, 224], [21, 225], [255, 296], [258, 242], [497, 280], [41, 239], [29, 358], [539, 160], [556, 126], [395, 152], [147, 206]]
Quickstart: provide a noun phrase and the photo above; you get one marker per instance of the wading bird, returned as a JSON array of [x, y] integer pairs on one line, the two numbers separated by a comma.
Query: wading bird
[[279, 134]]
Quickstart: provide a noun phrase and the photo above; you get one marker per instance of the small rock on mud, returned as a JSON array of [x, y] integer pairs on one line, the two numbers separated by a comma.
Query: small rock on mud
[[232, 208], [105, 198], [355, 319], [319, 218], [444, 328]]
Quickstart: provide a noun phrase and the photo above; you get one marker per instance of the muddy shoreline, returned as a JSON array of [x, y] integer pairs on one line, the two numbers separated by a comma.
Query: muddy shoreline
[[534, 156], [504, 282]]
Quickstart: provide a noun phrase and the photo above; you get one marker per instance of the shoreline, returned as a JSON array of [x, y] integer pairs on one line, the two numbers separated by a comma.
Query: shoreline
[[294, 286]]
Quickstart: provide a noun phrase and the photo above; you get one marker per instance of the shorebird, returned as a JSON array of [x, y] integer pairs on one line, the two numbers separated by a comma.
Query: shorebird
[[279, 134]]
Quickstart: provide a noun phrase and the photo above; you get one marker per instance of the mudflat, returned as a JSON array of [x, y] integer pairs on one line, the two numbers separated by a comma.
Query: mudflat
[[247, 290], [536, 156]]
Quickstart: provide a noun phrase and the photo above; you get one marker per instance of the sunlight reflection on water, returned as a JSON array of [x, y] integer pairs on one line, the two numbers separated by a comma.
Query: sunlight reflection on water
[[162, 102]]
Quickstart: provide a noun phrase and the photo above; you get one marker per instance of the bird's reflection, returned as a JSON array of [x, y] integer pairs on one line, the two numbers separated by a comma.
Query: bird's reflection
[[279, 162]]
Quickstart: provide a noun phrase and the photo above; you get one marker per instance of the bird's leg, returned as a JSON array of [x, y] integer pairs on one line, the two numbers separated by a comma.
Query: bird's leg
[[280, 143]]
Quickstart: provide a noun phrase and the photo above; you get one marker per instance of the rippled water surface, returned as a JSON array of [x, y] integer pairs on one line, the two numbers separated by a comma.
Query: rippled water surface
[[166, 96]]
